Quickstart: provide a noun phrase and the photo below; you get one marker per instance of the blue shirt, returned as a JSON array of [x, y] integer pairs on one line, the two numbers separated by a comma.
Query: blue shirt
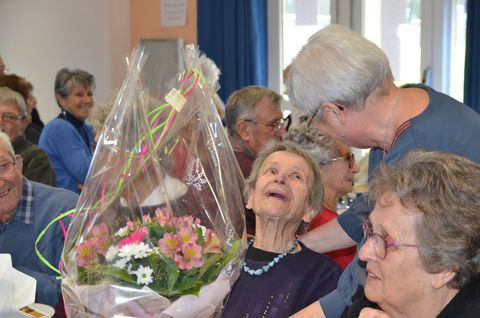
[[445, 125], [67, 145], [38, 206]]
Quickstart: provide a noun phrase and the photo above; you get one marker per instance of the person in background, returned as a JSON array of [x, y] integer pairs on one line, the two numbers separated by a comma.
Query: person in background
[[344, 82], [280, 275], [422, 240], [13, 120], [337, 167], [252, 117], [25, 88], [26, 208], [67, 139]]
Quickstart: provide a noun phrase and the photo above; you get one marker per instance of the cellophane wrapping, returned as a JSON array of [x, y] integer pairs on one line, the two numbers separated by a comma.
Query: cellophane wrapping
[[159, 226]]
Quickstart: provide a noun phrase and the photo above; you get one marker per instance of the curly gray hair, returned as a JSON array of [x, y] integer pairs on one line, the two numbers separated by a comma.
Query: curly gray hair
[[444, 189], [322, 147]]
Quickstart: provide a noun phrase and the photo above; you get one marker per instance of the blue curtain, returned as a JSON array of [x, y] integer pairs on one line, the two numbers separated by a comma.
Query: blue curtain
[[233, 33], [472, 56]]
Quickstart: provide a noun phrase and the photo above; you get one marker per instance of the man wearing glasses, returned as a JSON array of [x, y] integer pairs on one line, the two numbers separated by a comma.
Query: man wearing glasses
[[26, 208], [14, 121], [253, 117]]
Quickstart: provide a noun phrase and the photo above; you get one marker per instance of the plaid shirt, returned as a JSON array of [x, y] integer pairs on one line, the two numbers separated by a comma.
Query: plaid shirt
[[24, 211]]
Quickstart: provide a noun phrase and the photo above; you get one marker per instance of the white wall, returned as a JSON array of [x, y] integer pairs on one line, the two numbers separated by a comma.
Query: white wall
[[37, 38]]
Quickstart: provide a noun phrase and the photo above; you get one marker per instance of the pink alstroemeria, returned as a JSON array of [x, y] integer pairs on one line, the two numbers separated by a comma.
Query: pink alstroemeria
[[192, 257], [86, 253], [146, 218], [212, 243], [188, 235], [163, 216], [185, 223], [134, 238], [101, 244], [100, 230], [170, 244]]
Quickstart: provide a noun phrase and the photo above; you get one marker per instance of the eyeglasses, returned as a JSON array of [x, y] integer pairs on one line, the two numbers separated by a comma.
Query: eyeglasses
[[380, 244], [311, 118], [350, 159], [6, 168], [11, 117], [340, 107], [276, 124]]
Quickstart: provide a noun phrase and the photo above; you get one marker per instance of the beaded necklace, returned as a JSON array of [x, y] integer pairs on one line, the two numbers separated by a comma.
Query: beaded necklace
[[266, 268]]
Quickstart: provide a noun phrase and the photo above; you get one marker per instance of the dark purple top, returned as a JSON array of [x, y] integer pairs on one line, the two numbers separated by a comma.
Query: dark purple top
[[293, 283]]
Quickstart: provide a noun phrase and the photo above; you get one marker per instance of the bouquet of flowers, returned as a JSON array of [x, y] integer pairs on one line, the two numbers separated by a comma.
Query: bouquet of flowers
[[159, 228], [180, 257]]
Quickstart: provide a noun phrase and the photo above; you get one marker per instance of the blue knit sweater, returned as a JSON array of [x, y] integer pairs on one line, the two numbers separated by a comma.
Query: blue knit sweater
[[67, 145]]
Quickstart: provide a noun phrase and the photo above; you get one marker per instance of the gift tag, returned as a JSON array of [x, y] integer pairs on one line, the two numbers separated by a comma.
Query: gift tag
[[176, 99]]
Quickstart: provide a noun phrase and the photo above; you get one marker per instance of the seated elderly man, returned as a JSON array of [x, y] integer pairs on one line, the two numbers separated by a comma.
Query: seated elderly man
[[13, 121], [26, 208], [252, 117], [422, 240]]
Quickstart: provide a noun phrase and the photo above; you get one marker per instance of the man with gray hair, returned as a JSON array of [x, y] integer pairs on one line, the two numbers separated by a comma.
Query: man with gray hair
[[26, 208], [253, 117], [14, 121]]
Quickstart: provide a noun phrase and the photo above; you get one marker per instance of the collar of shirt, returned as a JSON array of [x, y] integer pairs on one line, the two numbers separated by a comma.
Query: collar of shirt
[[24, 211], [240, 146]]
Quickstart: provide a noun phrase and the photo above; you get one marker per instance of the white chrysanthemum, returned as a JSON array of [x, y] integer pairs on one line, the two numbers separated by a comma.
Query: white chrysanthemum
[[121, 263], [144, 275], [139, 250], [123, 232], [111, 253]]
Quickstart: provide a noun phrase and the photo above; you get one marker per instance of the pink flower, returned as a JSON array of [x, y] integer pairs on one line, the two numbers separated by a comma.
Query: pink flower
[[188, 235], [212, 243], [100, 244], [146, 218], [100, 230], [186, 222], [86, 253], [163, 216], [130, 225], [170, 244], [134, 238], [192, 257]]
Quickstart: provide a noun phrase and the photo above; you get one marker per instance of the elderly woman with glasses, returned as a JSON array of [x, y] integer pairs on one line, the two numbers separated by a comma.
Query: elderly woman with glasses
[[337, 167], [280, 275], [422, 244], [345, 83]]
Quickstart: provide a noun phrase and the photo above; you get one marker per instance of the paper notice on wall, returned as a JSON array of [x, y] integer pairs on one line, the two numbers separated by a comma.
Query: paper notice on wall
[[173, 13]]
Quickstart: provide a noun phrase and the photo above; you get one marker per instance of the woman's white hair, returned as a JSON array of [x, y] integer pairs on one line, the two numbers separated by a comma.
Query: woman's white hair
[[336, 65]]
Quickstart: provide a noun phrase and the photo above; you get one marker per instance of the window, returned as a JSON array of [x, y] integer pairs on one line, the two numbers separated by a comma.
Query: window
[[395, 26], [424, 39]]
